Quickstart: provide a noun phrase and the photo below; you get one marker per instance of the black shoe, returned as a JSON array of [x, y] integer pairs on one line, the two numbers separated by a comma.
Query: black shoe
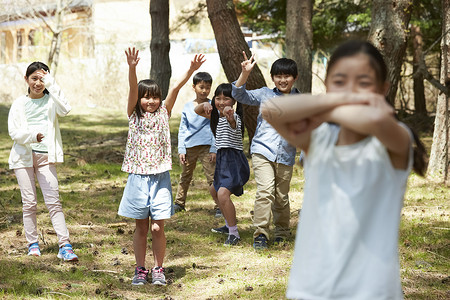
[[218, 214], [279, 241], [260, 242], [178, 208], [223, 230], [232, 240]]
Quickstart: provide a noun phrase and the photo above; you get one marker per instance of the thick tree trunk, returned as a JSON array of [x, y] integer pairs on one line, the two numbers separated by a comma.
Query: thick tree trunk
[[388, 32], [230, 44], [160, 69], [299, 39], [439, 158], [419, 89]]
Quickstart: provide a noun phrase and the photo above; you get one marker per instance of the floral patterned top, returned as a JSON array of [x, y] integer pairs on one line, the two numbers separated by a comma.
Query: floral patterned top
[[148, 148]]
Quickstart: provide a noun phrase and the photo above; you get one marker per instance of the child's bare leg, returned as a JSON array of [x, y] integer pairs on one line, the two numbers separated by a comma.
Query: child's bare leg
[[140, 241], [226, 206], [158, 242], [213, 193]]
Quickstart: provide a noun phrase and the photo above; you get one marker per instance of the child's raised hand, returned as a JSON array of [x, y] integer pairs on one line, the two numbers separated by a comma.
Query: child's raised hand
[[248, 64], [198, 60], [132, 57], [228, 112], [41, 73]]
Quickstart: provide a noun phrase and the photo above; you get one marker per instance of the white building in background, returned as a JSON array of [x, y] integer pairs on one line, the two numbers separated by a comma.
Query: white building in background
[[98, 32]]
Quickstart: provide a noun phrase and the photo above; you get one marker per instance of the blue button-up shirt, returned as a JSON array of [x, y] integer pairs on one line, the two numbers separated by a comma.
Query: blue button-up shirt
[[266, 141]]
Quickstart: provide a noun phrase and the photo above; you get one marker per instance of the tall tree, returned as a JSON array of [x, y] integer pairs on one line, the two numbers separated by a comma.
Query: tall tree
[[419, 88], [160, 69], [230, 44], [388, 32], [299, 39], [439, 158]]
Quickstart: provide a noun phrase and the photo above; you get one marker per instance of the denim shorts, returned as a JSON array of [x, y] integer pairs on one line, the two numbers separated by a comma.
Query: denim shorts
[[147, 196]]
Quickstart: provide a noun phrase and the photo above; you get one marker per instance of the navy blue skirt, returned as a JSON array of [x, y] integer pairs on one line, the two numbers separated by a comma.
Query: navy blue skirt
[[232, 170]]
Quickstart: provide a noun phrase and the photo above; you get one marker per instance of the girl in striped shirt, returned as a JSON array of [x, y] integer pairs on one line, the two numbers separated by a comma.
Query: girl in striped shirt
[[232, 169]]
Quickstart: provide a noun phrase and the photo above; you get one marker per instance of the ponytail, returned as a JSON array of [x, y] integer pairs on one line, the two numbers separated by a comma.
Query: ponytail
[[419, 155]]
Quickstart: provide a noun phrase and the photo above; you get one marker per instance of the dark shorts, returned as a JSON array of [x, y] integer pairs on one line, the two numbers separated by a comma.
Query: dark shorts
[[232, 170]]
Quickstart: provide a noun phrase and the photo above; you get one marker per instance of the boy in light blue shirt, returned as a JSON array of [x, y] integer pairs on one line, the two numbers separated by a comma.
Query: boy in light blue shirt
[[272, 156], [196, 142]]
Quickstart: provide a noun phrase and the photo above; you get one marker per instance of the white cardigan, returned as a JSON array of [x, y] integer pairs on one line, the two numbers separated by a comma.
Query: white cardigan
[[21, 154]]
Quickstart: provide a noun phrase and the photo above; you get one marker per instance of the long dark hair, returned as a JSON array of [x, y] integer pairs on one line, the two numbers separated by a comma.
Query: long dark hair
[[150, 88], [224, 89], [33, 67], [353, 47]]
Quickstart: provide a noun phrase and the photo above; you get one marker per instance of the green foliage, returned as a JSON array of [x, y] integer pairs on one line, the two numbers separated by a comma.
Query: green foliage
[[263, 16], [332, 21], [427, 14]]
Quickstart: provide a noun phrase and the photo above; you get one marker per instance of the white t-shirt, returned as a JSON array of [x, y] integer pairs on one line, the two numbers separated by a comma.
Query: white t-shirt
[[346, 244]]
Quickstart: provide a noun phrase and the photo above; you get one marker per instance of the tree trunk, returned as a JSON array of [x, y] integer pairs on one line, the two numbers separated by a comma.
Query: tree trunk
[[388, 32], [160, 69], [55, 47], [230, 44], [439, 157], [299, 40], [419, 89]]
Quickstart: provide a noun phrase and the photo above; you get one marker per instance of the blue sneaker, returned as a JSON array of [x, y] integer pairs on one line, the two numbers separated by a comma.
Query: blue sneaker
[[66, 253], [33, 249]]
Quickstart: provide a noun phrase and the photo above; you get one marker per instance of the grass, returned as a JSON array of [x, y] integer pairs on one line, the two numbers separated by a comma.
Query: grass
[[197, 265]]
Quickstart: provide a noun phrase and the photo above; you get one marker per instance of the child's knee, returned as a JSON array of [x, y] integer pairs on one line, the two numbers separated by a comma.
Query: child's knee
[[157, 228], [29, 207]]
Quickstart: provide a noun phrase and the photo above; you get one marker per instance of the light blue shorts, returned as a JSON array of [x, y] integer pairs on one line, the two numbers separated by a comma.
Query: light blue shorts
[[147, 196]]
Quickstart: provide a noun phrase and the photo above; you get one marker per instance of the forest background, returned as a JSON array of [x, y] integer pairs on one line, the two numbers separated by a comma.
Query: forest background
[[414, 37]]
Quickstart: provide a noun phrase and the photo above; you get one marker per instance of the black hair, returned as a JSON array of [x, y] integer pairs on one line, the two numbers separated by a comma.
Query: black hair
[[284, 66], [202, 76], [33, 67], [149, 88], [353, 47], [224, 89]]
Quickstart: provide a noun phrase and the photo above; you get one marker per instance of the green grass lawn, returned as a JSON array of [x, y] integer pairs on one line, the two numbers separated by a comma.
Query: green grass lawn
[[197, 265]]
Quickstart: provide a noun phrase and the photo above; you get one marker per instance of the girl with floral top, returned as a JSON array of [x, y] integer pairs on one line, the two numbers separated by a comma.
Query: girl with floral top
[[148, 192]]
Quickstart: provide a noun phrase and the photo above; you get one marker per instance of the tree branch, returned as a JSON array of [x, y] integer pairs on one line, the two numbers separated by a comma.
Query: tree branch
[[423, 69]]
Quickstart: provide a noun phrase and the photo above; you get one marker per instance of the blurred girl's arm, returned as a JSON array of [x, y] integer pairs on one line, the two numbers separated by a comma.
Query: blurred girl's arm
[[204, 109], [198, 60], [294, 117], [132, 60]]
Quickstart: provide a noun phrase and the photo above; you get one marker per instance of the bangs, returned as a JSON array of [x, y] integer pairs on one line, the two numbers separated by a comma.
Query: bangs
[[148, 88]]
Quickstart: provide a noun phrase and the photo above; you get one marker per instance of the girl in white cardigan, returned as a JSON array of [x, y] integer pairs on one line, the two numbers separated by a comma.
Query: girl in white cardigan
[[33, 126]]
